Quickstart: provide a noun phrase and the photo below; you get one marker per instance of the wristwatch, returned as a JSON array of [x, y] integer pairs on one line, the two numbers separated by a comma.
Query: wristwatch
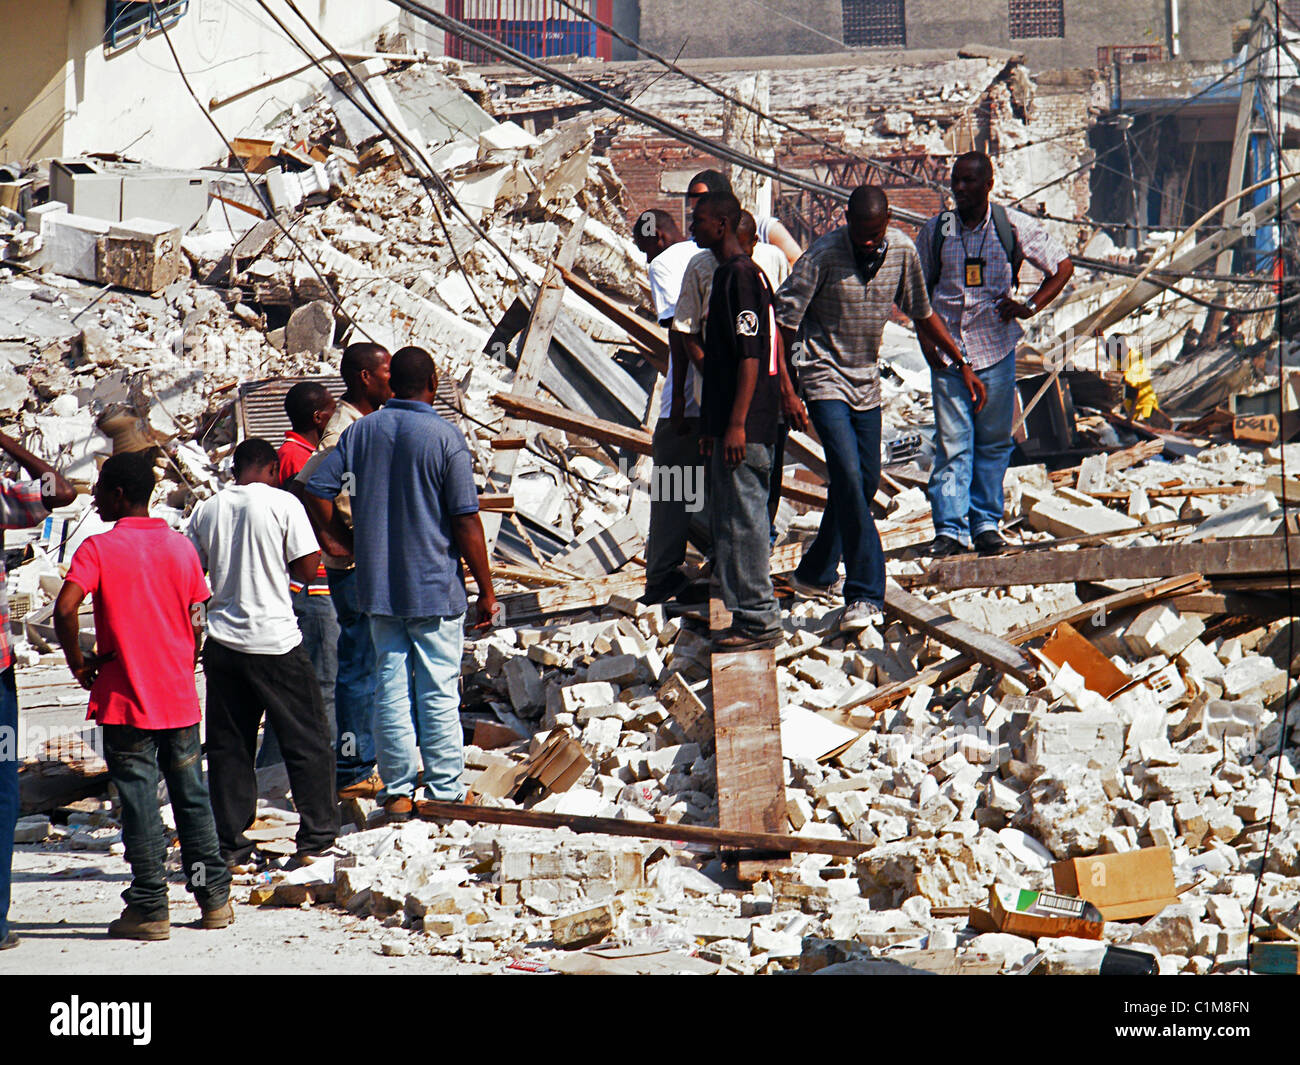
[[1033, 307]]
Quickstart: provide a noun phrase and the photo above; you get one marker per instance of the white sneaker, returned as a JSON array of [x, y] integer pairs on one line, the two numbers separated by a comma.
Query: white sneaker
[[862, 615]]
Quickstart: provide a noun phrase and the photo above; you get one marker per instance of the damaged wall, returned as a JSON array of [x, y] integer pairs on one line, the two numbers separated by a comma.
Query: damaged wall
[[65, 94], [726, 28]]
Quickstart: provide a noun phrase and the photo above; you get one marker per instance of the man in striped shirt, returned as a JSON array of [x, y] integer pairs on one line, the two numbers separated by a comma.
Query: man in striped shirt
[[23, 504], [971, 279]]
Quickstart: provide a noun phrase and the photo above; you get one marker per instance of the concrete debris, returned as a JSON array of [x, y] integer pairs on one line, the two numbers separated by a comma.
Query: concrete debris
[[953, 778]]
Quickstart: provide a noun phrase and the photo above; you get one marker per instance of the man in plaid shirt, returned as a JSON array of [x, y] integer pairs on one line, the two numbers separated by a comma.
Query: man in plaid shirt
[[972, 287], [23, 504]]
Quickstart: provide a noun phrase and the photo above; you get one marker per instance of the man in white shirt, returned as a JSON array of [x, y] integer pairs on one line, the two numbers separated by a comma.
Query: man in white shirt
[[251, 537], [678, 475]]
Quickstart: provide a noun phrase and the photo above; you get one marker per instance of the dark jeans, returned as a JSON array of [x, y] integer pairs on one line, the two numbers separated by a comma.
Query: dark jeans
[[851, 439], [678, 503], [778, 473], [320, 639], [240, 687], [8, 788], [742, 542], [134, 758], [354, 686]]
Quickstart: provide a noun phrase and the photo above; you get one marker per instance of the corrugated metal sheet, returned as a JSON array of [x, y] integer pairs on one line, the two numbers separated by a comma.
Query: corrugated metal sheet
[[260, 405]]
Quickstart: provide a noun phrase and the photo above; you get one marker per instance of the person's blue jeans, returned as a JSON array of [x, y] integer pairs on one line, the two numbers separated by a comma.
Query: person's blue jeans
[[971, 451], [417, 705], [134, 758], [319, 626], [851, 440], [742, 546], [8, 789], [354, 685]]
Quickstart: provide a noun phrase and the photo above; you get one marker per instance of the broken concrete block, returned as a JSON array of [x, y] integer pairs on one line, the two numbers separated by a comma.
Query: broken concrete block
[[1199, 662], [1074, 739], [1160, 824], [1192, 824], [141, 254], [620, 670], [575, 696], [1161, 630], [310, 329], [1256, 677], [523, 684], [1172, 931], [71, 247], [798, 809], [687, 710], [1054, 515]]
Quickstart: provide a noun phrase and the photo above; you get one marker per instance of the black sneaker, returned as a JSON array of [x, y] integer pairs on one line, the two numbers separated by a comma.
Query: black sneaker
[[944, 547], [990, 542]]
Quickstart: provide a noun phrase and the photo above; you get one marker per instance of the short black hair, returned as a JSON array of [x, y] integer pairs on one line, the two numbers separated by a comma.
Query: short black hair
[[131, 471], [254, 454], [302, 402], [710, 179], [978, 159], [747, 228], [725, 204], [358, 357], [412, 368], [651, 223], [868, 201]]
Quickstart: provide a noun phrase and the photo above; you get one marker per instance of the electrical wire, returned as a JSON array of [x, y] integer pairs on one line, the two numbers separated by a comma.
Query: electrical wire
[[1286, 547]]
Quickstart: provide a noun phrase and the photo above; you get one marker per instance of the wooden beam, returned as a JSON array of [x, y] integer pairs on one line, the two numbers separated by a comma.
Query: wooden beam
[[538, 411], [1238, 557], [650, 336], [1115, 461], [934, 621], [532, 359], [747, 741], [1099, 609], [762, 842]]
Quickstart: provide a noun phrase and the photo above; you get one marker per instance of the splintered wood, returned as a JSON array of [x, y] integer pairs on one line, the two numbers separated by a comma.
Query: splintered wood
[[747, 738]]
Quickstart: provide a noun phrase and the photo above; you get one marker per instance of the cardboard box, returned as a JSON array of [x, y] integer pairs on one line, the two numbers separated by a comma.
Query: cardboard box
[[1133, 884], [1022, 912]]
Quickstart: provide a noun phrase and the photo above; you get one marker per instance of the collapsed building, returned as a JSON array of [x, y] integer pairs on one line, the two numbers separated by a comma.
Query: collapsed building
[[1111, 690]]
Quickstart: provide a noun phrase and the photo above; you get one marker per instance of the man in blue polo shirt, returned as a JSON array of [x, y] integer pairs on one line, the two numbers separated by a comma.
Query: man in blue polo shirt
[[414, 518]]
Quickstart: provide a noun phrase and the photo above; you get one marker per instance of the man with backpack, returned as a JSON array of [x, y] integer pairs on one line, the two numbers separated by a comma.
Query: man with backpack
[[972, 258]]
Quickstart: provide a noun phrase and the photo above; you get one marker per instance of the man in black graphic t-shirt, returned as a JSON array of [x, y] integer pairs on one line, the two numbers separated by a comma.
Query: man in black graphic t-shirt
[[743, 377]]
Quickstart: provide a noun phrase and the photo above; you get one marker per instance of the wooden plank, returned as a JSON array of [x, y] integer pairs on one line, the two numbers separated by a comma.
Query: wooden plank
[[1238, 557], [650, 336], [1115, 461], [1254, 606], [983, 647], [762, 842], [747, 739], [538, 411], [1098, 612], [532, 360], [605, 550]]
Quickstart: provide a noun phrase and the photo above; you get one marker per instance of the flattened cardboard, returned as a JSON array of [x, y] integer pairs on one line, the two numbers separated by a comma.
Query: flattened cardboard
[[1068, 647]]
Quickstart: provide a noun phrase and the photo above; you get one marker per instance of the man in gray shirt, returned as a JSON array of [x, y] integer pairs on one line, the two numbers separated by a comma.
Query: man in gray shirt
[[832, 310]]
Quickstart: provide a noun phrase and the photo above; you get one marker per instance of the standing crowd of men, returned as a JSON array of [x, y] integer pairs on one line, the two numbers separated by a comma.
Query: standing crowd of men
[[324, 589], [757, 351]]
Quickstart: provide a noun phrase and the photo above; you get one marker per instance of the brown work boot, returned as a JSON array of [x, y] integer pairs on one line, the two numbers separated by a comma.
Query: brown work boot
[[222, 916], [363, 789], [133, 925], [399, 808]]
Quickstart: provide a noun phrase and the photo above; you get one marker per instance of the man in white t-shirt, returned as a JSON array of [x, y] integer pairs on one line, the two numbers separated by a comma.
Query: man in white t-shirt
[[251, 537], [677, 494]]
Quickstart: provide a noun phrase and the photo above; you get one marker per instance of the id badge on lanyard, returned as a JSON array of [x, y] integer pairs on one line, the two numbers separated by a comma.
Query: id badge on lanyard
[[974, 271]]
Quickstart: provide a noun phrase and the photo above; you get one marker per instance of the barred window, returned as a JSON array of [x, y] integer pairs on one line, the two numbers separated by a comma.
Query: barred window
[[1036, 18], [125, 20], [874, 23]]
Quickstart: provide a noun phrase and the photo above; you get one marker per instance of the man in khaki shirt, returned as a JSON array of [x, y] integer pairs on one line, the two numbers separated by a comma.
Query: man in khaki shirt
[[365, 371]]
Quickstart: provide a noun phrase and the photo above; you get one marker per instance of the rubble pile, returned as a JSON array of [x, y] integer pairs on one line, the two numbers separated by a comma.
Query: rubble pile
[[603, 708]]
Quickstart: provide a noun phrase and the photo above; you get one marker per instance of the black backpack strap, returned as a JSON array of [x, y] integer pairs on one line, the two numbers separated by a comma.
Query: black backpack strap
[[936, 253], [1010, 241]]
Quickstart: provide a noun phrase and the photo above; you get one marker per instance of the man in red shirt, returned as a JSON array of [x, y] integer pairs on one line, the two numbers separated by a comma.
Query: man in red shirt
[[309, 407], [148, 591]]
